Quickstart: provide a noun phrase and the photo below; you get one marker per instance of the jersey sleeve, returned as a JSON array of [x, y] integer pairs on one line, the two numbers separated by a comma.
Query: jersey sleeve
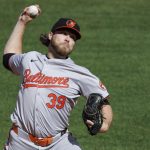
[[15, 63], [89, 84]]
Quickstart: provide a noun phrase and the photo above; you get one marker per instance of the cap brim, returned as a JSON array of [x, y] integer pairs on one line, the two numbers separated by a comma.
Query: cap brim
[[75, 31]]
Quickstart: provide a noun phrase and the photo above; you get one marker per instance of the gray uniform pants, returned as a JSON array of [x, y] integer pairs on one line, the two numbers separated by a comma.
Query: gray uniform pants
[[65, 142]]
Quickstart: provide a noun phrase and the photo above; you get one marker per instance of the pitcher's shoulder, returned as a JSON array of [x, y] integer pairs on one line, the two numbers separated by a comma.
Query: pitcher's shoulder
[[83, 70], [32, 55]]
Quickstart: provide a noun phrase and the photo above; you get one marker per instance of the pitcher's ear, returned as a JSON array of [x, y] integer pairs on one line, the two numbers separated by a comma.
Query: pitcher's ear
[[50, 35]]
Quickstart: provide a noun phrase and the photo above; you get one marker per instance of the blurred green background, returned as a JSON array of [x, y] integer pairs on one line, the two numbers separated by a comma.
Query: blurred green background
[[114, 46]]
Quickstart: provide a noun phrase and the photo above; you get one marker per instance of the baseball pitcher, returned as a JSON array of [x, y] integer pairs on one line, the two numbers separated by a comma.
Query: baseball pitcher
[[50, 87]]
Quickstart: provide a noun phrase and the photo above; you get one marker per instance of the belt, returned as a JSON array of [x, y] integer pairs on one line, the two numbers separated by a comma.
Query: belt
[[39, 141]]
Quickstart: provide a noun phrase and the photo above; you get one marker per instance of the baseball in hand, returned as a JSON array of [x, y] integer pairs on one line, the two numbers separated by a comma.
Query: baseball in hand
[[33, 11]]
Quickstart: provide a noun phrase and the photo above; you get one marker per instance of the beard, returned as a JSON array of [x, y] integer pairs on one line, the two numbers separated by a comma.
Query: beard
[[61, 49]]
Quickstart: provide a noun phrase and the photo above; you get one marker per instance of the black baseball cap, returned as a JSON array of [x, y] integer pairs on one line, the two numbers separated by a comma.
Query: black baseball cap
[[69, 24]]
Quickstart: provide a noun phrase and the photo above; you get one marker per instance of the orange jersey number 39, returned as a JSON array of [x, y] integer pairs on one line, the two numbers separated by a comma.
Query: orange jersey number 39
[[55, 101]]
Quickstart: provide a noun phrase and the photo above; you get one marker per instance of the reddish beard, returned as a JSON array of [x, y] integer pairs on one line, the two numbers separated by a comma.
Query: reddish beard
[[62, 49]]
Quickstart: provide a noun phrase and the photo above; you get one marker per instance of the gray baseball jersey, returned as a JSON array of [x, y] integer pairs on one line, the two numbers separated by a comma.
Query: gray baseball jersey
[[49, 91]]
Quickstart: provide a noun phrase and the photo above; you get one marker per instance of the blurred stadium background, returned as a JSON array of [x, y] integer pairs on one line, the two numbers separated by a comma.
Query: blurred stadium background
[[114, 46]]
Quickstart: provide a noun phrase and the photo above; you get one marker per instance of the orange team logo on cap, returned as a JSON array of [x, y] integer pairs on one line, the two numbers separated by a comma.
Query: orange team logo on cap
[[70, 23]]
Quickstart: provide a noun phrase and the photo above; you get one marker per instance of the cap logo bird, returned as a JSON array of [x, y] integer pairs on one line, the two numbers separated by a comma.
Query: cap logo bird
[[70, 23]]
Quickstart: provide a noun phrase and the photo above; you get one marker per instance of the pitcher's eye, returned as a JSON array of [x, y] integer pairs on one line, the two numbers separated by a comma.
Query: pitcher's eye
[[73, 37], [65, 33]]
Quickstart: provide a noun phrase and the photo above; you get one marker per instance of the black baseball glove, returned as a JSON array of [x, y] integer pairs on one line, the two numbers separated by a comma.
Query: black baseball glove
[[92, 112]]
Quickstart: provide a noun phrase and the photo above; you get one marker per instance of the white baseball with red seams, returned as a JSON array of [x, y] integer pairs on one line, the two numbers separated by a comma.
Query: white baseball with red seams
[[33, 11]]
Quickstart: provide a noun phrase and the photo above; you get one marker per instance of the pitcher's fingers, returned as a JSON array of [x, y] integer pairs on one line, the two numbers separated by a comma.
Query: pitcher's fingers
[[89, 123]]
